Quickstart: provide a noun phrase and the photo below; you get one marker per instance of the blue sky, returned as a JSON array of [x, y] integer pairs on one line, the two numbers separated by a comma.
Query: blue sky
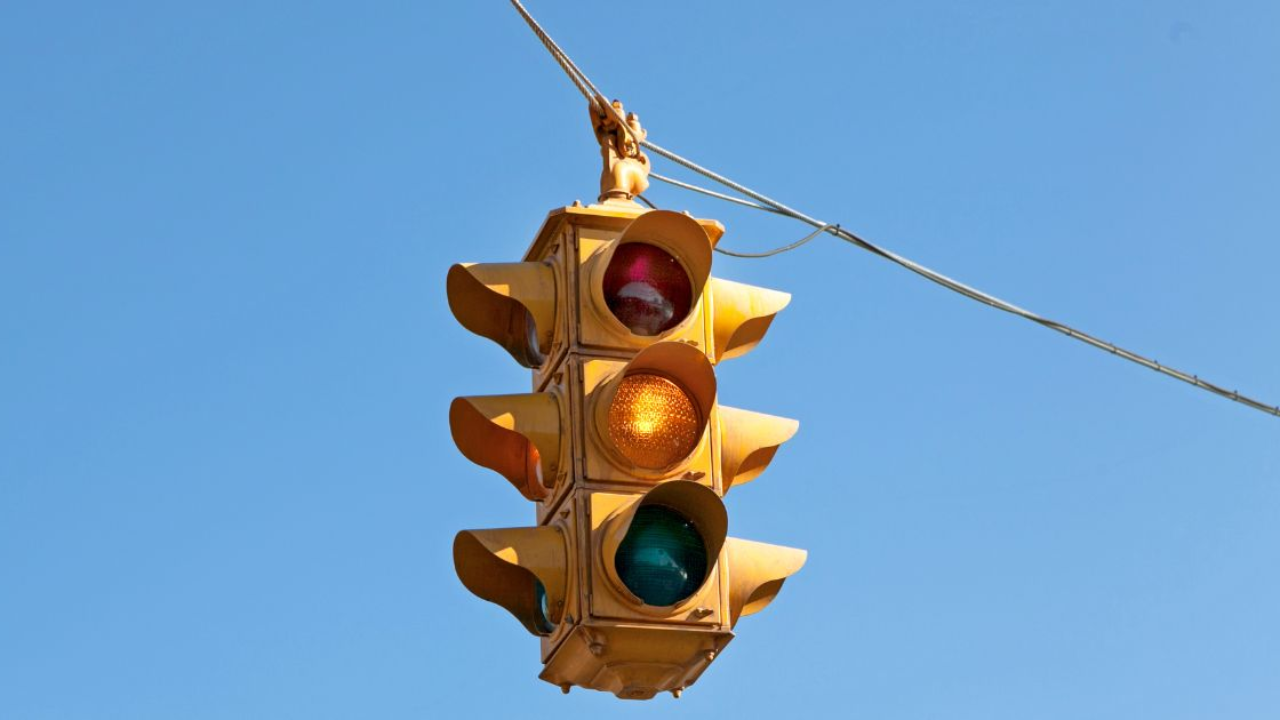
[[227, 488]]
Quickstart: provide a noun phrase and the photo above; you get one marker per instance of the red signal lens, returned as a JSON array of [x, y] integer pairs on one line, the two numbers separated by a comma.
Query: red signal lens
[[647, 289]]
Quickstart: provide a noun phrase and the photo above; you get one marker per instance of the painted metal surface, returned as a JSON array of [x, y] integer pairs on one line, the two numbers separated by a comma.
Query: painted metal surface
[[556, 447]]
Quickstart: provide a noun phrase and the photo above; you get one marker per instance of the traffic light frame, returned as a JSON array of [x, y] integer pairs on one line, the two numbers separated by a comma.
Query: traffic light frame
[[622, 445]]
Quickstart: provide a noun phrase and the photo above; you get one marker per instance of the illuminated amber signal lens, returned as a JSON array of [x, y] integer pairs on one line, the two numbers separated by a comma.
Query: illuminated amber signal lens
[[653, 422], [647, 289]]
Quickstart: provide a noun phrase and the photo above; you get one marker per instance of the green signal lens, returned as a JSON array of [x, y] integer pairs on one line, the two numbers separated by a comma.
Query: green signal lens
[[663, 559], [541, 612]]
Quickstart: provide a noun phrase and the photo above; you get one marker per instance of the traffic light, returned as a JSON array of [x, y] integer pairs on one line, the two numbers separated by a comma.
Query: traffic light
[[628, 576]]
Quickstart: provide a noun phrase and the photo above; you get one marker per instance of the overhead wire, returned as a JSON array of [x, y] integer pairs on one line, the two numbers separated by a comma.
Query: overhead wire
[[713, 193], [576, 75], [767, 204], [778, 250]]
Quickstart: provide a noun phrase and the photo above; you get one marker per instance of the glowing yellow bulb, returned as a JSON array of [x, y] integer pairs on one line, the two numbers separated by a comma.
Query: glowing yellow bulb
[[653, 422]]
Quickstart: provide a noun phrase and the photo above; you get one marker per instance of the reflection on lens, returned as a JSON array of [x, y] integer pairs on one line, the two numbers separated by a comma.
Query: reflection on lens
[[647, 289], [653, 422], [663, 558]]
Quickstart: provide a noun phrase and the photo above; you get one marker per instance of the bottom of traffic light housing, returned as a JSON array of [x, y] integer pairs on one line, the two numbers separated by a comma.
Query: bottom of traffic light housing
[[633, 661]]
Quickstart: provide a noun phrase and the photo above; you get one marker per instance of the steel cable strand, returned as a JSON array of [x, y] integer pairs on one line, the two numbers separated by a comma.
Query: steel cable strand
[[597, 98]]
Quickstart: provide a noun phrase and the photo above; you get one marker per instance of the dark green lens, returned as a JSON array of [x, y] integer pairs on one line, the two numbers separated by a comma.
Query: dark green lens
[[663, 559], [541, 613]]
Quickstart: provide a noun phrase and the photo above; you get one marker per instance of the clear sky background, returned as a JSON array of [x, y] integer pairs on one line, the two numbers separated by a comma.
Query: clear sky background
[[227, 487]]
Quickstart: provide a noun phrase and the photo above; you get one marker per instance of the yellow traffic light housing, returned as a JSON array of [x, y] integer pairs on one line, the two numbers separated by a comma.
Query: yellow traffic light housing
[[524, 570], [658, 553], [512, 304], [741, 315], [748, 442], [756, 573], [628, 577], [517, 436], [645, 284], [647, 418]]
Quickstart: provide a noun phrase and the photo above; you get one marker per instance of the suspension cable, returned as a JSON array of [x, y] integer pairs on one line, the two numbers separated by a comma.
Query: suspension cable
[[713, 193], [579, 78], [765, 203], [778, 250]]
